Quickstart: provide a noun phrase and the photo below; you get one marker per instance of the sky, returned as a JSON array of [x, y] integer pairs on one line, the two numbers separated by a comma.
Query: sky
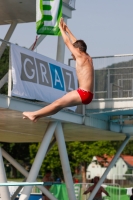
[[105, 25]]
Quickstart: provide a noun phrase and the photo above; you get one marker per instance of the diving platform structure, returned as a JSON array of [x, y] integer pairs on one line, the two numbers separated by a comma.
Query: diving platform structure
[[103, 119], [94, 124]]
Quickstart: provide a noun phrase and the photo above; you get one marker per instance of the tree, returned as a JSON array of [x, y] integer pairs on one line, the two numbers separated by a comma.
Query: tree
[[51, 161], [4, 66], [79, 153], [128, 150], [20, 152]]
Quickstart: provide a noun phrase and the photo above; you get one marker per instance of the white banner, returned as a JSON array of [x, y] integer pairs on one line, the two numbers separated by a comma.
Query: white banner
[[38, 77]]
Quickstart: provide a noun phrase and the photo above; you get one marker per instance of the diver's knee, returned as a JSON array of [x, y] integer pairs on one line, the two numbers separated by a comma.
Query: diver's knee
[[58, 104]]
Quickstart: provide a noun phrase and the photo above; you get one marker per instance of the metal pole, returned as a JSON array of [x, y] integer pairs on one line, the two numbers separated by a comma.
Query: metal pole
[[9, 75], [69, 61], [109, 167], [132, 87], [122, 86], [17, 191], [111, 90], [6, 77], [61, 48], [118, 88], [7, 37], [4, 80], [28, 184], [4, 191], [38, 161], [108, 83], [39, 40], [9, 78], [16, 164], [51, 145], [65, 161]]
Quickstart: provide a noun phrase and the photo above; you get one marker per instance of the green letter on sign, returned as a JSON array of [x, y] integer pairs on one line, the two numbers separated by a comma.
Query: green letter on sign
[[48, 14]]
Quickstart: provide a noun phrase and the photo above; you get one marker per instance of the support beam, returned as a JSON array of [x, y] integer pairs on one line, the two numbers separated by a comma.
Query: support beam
[[38, 161], [39, 40], [4, 80], [109, 167], [22, 170], [51, 145], [65, 161], [9, 78], [16, 164], [17, 191], [108, 84], [4, 191], [7, 37]]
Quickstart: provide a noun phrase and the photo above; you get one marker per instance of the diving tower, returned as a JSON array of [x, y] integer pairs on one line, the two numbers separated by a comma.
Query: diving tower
[[87, 123]]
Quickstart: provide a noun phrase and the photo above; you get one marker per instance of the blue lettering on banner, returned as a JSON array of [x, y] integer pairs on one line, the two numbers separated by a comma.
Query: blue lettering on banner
[[57, 77]]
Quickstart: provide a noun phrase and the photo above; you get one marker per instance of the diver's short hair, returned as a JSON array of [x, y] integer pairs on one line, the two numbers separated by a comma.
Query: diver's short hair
[[81, 45]]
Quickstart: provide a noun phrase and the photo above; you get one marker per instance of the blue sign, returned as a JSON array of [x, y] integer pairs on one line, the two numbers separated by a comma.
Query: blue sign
[[57, 77]]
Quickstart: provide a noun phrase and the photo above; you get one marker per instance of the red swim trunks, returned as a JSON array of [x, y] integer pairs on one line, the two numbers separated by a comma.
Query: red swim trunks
[[86, 96]]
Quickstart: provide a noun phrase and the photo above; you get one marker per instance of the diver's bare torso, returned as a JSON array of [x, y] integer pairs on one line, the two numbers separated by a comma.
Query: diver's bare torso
[[85, 72]]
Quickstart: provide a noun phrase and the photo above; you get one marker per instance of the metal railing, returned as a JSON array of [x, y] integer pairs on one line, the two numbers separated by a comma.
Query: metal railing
[[80, 188], [114, 189], [125, 180], [113, 76]]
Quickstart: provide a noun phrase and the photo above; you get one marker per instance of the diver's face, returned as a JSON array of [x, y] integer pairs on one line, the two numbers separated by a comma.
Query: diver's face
[[73, 57]]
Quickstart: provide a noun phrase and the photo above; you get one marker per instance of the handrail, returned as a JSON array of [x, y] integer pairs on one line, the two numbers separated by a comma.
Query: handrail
[[117, 86], [29, 183], [5, 41], [112, 56]]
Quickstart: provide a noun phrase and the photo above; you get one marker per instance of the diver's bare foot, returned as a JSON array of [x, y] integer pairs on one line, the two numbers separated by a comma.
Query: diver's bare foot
[[30, 116]]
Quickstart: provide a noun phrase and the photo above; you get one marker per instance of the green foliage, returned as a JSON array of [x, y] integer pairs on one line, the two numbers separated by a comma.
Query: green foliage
[[79, 153], [129, 149], [20, 152], [51, 161], [103, 147], [4, 63], [4, 66], [129, 171]]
